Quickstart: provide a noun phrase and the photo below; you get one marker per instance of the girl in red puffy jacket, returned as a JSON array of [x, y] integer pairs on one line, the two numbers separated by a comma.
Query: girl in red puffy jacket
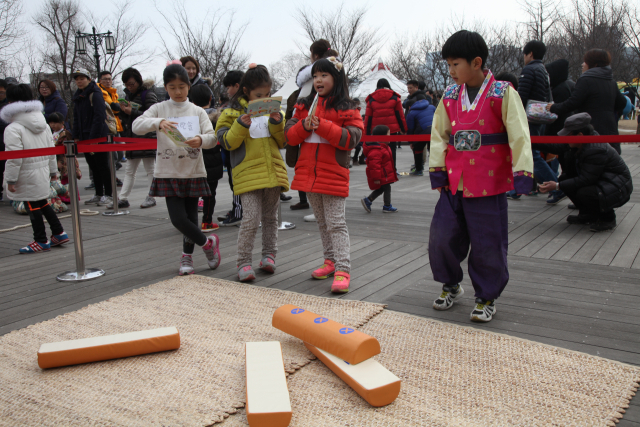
[[326, 137], [380, 171]]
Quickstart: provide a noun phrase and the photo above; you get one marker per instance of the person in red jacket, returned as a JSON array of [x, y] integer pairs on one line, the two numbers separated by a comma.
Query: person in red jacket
[[380, 171], [327, 126], [384, 107]]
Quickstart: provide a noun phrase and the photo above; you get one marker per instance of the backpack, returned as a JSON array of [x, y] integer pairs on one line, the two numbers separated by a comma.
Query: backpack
[[111, 122]]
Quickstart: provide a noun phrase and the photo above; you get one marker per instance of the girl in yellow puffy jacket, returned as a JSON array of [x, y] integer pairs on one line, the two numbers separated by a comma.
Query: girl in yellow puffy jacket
[[259, 173]]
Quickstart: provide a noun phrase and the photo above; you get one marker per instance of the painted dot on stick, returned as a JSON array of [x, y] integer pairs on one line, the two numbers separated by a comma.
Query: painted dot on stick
[[320, 320], [297, 311], [345, 331]]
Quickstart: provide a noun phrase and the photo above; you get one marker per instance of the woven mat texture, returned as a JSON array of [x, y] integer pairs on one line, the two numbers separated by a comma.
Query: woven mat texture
[[199, 384], [458, 376]]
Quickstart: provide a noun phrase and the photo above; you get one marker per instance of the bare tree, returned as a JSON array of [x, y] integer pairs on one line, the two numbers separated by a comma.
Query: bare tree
[[543, 15], [287, 66], [214, 42], [10, 13], [128, 34], [631, 31], [347, 33]]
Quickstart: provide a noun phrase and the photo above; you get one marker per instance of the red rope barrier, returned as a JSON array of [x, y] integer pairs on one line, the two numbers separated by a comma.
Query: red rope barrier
[[35, 152]]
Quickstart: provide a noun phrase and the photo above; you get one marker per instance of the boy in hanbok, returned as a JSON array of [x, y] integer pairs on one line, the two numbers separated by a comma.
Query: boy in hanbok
[[480, 149]]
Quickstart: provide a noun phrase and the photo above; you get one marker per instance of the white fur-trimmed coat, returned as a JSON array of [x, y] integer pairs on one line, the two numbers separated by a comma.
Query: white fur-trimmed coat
[[28, 130]]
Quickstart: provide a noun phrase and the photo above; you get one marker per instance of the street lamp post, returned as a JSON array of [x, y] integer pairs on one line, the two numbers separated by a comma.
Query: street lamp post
[[95, 40]]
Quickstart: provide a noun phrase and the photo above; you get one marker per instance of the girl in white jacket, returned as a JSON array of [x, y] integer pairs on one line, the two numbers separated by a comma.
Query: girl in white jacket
[[28, 179], [180, 175]]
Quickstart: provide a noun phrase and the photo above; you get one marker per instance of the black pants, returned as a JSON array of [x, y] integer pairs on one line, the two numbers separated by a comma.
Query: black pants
[[386, 189], [209, 203], [237, 203], [2, 164], [36, 211], [418, 151], [394, 147], [356, 152], [183, 212], [588, 203], [303, 197], [99, 164]]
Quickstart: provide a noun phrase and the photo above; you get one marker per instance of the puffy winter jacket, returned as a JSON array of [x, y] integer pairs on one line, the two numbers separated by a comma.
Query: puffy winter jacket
[[594, 164], [212, 156], [89, 115], [54, 104], [254, 151], [323, 163], [534, 83], [384, 107], [561, 89], [110, 95], [145, 97], [27, 130], [380, 170], [413, 98], [420, 118]]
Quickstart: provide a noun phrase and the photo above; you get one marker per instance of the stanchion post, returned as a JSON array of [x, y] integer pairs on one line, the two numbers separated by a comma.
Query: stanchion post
[[114, 185], [81, 273], [283, 225]]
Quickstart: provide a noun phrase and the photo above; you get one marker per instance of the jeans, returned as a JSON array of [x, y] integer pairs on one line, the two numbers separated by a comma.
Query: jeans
[[130, 174]]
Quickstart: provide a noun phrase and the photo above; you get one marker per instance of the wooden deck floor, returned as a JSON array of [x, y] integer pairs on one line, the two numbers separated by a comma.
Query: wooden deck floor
[[569, 287]]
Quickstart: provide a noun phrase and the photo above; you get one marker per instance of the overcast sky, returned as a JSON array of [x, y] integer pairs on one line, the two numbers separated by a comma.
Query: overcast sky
[[272, 28]]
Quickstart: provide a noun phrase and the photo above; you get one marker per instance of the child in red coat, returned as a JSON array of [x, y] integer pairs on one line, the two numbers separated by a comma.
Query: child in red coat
[[380, 171]]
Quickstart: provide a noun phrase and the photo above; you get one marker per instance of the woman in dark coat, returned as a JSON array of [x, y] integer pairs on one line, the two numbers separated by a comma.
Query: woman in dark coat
[[596, 93], [51, 99]]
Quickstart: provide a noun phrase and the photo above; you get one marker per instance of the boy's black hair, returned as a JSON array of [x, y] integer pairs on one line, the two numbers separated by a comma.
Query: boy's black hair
[[467, 45], [175, 72], [55, 117], [21, 92], [380, 130], [422, 85], [3, 83], [536, 47], [252, 79], [338, 98], [232, 78], [414, 83], [201, 95], [508, 77], [129, 73], [103, 73]]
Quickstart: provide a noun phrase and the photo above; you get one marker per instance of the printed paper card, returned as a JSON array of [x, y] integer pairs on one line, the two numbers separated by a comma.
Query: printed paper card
[[263, 106], [186, 128]]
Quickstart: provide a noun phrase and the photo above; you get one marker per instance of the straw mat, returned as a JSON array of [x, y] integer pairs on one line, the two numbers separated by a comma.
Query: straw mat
[[460, 376], [199, 384]]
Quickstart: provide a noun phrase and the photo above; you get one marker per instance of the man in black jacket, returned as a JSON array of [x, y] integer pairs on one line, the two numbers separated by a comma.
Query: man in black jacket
[[596, 179], [89, 122]]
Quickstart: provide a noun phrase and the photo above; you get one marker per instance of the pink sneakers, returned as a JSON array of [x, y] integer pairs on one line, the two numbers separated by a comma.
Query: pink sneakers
[[341, 283], [246, 273], [327, 269]]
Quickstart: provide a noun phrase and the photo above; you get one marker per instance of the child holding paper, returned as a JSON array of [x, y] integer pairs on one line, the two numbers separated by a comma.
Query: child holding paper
[[259, 173], [327, 126], [180, 175]]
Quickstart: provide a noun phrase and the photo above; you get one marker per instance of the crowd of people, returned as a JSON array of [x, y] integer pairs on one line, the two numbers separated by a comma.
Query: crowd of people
[[479, 154]]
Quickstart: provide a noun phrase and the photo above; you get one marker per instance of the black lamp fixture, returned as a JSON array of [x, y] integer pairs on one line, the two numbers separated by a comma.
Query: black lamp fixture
[[95, 40]]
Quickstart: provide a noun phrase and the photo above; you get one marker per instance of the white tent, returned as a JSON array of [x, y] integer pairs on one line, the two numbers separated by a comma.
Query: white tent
[[368, 85], [286, 90]]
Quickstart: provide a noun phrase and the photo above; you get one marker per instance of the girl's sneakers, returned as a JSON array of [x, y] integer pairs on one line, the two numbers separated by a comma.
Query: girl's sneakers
[[34, 247], [366, 204], [340, 283], [212, 251], [209, 226], [59, 239], [389, 209], [327, 269], [246, 273], [186, 265], [268, 264]]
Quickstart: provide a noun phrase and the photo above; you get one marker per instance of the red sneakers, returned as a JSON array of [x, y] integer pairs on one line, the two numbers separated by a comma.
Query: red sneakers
[[209, 226], [341, 283], [327, 269]]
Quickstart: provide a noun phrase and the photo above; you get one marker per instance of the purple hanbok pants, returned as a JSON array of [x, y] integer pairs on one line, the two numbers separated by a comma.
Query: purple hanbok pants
[[480, 222]]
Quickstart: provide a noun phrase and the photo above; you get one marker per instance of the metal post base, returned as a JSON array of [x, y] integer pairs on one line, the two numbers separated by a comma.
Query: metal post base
[[74, 276], [113, 213], [286, 226]]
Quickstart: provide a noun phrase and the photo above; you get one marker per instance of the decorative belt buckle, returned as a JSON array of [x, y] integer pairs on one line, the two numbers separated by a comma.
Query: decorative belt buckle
[[467, 140]]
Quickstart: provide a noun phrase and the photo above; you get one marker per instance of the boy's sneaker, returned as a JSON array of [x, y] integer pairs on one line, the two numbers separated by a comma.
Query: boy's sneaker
[[366, 204], [327, 269], [223, 217], [212, 251], [556, 197], [34, 247], [246, 273], [92, 201], [105, 200], [200, 205], [416, 173], [149, 202], [449, 295], [186, 265], [389, 209], [268, 264], [59, 239], [340, 283], [483, 311], [231, 221], [209, 226], [513, 195], [284, 197], [123, 203], [310, 218]]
